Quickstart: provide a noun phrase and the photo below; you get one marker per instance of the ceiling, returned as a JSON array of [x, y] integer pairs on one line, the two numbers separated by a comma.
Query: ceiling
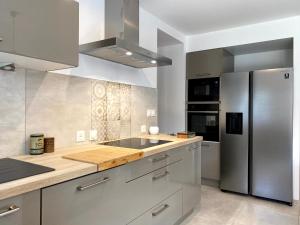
[[201, 16]]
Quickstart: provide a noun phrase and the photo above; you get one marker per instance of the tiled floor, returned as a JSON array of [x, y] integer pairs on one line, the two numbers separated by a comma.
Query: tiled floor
[[218, 208]]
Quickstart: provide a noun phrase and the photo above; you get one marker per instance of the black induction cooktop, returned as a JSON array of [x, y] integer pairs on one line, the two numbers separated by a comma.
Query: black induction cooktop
[[12, 169], [136, 143]]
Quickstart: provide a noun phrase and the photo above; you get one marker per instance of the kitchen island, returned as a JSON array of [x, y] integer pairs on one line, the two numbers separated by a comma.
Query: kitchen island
[[161, 186]]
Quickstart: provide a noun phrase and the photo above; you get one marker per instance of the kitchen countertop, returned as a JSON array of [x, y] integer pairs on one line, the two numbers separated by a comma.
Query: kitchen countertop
[[66, 169]]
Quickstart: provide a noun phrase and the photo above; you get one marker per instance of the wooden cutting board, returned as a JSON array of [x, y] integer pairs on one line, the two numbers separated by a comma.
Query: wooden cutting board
[[107, 157]]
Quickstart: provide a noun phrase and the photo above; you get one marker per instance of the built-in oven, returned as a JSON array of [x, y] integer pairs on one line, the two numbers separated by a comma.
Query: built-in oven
[[203, 119], [203, 89]]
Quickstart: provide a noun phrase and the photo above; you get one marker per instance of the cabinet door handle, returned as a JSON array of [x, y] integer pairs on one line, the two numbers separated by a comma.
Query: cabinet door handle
[[11, 209], [82, 188], [163, 208], [160, 176], [160, 159], [1, 39]]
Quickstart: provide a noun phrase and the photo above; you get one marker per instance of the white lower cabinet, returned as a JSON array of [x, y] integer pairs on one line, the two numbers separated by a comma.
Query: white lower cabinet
[[21, 210], [167, 212]]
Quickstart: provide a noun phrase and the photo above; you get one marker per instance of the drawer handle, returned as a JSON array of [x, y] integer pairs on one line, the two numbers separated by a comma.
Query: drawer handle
[[160, 176], [12, 209], [1, 39], [82, 188], [163, 208], [160, 159], [205, 145]]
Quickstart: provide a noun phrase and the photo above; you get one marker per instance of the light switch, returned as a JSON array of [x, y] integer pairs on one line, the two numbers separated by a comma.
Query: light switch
[[93, 135], [80, 136], [143, 129], [149, 112]]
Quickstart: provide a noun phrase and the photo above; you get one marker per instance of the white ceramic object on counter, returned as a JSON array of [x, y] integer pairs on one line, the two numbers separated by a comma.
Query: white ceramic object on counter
[[154, 130]]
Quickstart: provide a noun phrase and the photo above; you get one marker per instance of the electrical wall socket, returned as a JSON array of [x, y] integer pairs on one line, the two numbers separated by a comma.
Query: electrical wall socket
[[148, 112], [93, 135], [143, 129], [80, 136], [151, 112]]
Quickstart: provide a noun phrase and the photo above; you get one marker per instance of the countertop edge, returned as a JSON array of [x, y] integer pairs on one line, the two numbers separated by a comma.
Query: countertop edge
[[77, 169]]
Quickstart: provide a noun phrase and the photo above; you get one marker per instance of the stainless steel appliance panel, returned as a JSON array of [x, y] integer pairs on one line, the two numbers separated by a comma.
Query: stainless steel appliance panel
[[234, 132], [273, 134]]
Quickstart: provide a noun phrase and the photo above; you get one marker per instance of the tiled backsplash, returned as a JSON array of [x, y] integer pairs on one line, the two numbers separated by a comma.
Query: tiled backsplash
[[59, 105]]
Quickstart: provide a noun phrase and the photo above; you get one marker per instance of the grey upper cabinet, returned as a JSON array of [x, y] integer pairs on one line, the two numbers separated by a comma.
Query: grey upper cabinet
[[21, 210], [209, 62], [93, 200], [43, 37]]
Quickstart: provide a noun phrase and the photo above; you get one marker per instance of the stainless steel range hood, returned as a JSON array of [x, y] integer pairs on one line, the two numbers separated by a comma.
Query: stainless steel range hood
[[7, 66], [121, 43]]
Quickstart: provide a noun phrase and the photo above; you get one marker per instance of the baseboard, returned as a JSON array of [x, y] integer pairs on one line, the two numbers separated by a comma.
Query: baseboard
[[210, 182], [184, 217]]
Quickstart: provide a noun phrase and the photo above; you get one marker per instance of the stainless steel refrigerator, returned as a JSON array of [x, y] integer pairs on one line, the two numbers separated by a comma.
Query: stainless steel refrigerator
[[257, 133]]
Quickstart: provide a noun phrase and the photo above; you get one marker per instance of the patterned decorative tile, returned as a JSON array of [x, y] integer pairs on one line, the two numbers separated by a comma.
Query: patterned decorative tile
[[99, 102], [113, 101], [113, 130], [125, 103], [99, 109]]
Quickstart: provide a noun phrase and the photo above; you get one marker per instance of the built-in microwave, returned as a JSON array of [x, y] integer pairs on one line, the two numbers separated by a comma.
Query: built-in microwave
[[203, 89], [203, 119]]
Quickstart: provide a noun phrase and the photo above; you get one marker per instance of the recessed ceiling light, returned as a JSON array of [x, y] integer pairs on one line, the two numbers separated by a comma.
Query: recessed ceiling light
[[153, 61], [129, 53]]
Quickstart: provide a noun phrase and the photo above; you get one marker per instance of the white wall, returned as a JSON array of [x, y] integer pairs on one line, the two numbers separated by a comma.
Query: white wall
[[263, 60], [92, 29], [171, 90], [279, 29]]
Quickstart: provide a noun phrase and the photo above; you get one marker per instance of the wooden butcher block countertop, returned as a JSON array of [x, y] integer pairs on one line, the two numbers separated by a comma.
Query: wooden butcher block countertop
[[86, 159], [107, 157]]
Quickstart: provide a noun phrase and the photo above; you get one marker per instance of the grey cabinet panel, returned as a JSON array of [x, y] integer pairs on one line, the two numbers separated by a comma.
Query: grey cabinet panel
[[165, 181], [149, 164], [99, 202], [25, 210], [209, 62], [49, 31], [146, 191], [210, 160], [187, 174], [6, 26], [167, 212], [191, 186]]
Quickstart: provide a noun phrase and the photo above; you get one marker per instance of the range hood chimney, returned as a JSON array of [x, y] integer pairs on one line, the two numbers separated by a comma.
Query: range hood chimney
[[121, 43]]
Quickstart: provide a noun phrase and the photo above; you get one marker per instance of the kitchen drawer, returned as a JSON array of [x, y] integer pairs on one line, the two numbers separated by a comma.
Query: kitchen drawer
[[165, 181], [21, 210], [167, 212], [149, 164], [146, 191], [90, 199]]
